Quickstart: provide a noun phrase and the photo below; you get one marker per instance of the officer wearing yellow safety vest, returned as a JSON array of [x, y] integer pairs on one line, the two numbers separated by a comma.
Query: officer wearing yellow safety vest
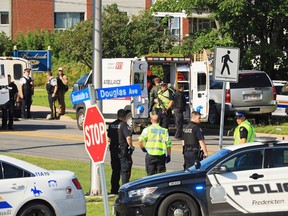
[[244, 132], [155, 141], [163, 104]]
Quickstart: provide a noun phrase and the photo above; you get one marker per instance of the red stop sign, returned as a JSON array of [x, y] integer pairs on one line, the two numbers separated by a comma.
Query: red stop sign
[[94, 130]]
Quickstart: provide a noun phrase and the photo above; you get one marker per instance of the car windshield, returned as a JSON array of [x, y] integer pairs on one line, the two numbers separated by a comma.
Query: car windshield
[[82, 80], [210, 160], [251, 80]]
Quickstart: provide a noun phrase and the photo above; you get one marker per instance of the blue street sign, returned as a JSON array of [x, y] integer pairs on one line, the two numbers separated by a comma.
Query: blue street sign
[[119, 92], [79, 96]]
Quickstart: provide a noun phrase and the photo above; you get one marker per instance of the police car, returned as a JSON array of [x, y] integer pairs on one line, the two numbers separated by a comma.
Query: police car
[[26, 189], [236, 180], [281, 97]]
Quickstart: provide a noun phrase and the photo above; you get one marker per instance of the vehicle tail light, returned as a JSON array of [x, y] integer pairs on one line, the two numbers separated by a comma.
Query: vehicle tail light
[[274, 93], [77, 183], [227, 96]]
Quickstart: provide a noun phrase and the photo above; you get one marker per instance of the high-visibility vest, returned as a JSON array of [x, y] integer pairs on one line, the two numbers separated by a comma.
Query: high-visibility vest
[[251, 134], [164, 97], [156, 140]]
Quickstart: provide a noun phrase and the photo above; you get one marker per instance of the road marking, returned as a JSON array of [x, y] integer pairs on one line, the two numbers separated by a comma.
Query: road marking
[[44, 135]]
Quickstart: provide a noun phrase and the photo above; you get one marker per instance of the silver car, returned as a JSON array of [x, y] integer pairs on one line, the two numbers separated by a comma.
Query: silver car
[[254, 95]]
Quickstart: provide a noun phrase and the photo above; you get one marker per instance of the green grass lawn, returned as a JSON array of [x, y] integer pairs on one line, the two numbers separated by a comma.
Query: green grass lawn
[[94, 205], [40, 98]]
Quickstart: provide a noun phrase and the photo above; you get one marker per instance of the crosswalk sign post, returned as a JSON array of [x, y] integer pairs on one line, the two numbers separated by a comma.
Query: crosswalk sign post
[[226, 66]]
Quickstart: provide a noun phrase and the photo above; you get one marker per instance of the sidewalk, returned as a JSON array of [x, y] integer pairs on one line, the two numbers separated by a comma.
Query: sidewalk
[[44, 112]]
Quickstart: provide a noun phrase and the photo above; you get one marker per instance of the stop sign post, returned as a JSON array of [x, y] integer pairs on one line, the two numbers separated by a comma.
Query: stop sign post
[[94, 130]]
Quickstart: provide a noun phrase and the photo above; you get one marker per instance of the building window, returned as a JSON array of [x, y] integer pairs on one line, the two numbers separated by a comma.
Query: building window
[[66, 20], [174, 26], [4, 18], [200, 24]]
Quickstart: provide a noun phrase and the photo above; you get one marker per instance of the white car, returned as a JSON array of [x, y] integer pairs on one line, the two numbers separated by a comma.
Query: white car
[[26, 190], [282, 98]]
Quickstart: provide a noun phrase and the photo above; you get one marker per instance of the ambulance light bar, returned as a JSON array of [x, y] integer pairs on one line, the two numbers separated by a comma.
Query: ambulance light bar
[[168, 59]]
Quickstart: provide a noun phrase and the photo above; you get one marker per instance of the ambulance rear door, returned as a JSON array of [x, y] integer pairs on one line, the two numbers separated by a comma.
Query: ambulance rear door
[[200, 88], [15, 67], [4, 91], [139, 104]]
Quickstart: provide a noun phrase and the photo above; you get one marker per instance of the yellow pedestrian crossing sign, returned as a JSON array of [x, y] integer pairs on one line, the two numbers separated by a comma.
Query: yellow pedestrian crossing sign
[[226, 64]]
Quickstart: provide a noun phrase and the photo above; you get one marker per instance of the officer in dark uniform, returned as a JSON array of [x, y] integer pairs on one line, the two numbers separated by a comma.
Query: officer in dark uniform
[[193, 141], [26, 91], [121, 149], [9, 107], [179, 109]]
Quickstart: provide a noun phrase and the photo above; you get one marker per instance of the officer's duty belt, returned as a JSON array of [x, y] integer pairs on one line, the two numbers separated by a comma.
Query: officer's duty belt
[[190, 148]]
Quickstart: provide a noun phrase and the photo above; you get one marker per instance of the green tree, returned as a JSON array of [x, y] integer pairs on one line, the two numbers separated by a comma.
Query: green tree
[[6, 45], [36, 40], [258, 28], [149, 34], [75, 43], [116, 39]]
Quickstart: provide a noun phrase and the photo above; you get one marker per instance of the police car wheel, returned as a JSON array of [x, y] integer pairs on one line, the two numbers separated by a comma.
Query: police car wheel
[[178, 205], [36, 209], [80, 118]]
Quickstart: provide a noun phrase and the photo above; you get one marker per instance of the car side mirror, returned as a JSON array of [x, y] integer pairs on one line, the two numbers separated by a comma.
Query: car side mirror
[[219, 169]]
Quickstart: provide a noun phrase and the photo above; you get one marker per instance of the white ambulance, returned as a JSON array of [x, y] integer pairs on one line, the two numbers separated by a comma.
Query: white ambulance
[[15, 67], [127, 71]]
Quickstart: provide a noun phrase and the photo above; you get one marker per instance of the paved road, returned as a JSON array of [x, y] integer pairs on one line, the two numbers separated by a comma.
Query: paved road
[[62, 140]]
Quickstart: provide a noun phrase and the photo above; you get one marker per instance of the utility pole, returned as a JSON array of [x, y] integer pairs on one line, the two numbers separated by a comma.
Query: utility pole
[[96, 80]]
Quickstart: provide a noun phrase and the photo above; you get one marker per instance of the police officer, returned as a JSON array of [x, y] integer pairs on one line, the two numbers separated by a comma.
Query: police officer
[[244, 132], [121, 149], [62, 83], [9, 107], [154, 94], [26, 91], [193, 141], [155, 141], [164, 103], [51, 87], [179, 108]]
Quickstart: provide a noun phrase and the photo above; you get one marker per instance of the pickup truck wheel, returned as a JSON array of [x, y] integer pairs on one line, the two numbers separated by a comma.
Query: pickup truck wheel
[[178, 204], [80, 118], [263, 119], [213, 117]]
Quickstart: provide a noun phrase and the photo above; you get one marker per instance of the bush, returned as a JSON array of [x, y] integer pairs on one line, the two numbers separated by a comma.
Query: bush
[[73, 70]]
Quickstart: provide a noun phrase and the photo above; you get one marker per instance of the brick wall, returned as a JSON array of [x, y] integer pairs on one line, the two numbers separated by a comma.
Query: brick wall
[[89, 8], [29, 15], [185, 30], [147, 4]]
